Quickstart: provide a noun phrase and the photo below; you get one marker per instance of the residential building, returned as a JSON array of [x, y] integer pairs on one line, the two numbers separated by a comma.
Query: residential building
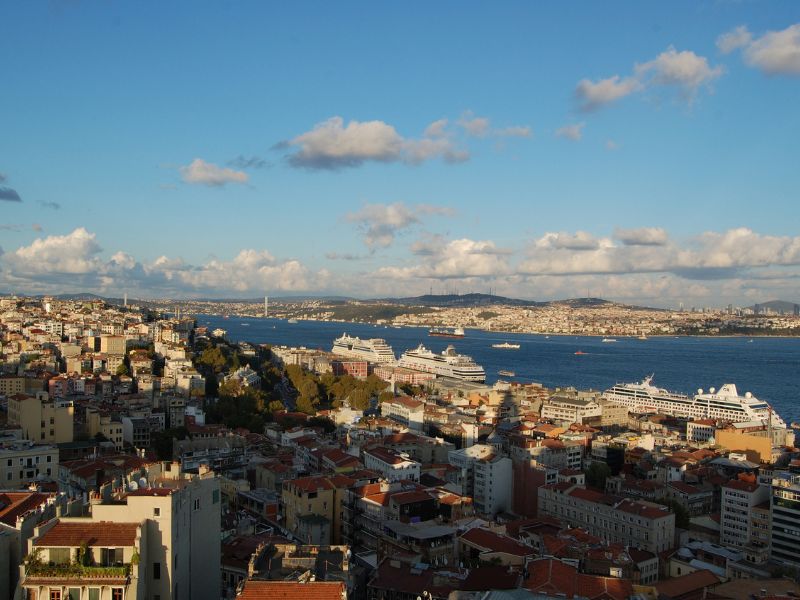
[[492, 484], [568, 409], [393, 466], [42, 420], [405, 410], [738, 499], [23, 462], [785, 525], [632, 522]]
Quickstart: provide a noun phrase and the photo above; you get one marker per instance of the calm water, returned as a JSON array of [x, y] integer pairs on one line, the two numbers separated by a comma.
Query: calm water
[[768, 367]]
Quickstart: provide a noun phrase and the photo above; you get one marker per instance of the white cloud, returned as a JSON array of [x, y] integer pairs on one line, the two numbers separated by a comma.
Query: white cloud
[[481, 127], [776, 52], [711, 255], [572, 132], [593, 95], [382, 222], [462, 258], [643, 236], [734, 39], [204, 173], [684, 69], [75, 253], [612, 145], [334, 145]]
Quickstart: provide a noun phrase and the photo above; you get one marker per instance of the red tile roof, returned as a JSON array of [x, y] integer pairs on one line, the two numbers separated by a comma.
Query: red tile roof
[[495, 542], [686, 584], [291, 590], [16, 504], [93, 533]]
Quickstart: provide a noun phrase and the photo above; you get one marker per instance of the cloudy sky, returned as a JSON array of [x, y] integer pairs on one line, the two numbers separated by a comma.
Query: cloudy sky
[[641, 152]]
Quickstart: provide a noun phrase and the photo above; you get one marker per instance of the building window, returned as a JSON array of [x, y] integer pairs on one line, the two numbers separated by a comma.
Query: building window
[[117, 594], [94, 593], [74, 594], [49, 458], [156, 570], [197, 503], [55, 594], [156, 511]]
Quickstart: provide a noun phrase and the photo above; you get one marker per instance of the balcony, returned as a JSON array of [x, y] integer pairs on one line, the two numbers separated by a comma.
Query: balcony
[[77, 574]]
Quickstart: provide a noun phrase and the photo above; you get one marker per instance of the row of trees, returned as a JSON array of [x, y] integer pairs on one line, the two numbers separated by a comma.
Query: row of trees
[[330, 391]]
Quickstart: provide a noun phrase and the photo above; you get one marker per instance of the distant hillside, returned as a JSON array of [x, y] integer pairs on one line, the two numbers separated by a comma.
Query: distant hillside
[[461, 300], [473, 300], [778, 306]]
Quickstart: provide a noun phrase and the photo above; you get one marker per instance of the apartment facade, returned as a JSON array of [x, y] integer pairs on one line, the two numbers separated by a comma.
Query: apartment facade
[[42, 420], [634, 523], [22, 462], [738, 500]]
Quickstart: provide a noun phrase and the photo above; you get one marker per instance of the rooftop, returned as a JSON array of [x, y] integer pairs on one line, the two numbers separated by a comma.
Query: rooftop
[[93, 533]]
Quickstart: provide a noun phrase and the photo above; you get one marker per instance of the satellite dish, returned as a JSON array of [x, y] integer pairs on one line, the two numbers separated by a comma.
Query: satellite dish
[[133, 486], [699, 390], [143, 482], [712, 390]]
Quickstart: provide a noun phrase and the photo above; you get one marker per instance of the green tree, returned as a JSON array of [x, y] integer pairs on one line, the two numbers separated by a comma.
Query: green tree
[[304, 405], [123, 370], [275, 406], [596, 475]]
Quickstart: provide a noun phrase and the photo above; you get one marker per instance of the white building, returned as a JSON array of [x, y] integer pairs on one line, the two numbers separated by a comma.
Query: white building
[[405, 410], [492, 489], [393, 466], [738, 500]]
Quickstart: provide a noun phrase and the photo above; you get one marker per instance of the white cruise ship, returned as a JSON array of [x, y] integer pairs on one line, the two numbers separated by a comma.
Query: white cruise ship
[[725, 403], [374, 350], [447, 364]]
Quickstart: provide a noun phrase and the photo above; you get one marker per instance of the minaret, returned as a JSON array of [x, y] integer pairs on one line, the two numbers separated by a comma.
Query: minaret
[[266, 306], [125, 300]]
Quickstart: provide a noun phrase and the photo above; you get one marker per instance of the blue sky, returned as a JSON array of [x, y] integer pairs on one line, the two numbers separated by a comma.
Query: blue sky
[[645, 152]]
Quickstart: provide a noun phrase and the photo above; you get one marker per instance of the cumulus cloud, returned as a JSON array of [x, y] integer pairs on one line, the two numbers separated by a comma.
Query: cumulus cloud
[[333, 144], [776, 52], [9, 194], [462, 258], [572, 132], [592, 95], [580, 240], [382, 222], [643, 236], [734, 39], [684, 71], [74, 262], [711, 255], [200, 172], [74, 253]]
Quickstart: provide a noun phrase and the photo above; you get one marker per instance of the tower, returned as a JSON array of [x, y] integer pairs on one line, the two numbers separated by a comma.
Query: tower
[[266, 306]]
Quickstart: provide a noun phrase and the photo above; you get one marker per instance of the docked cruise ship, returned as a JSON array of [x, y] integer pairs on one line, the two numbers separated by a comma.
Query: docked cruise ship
[[374, 350], [447, 364], [725, 403]]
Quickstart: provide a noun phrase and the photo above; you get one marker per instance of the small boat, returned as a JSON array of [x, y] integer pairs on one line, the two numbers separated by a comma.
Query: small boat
[[608, 340], [642, 337], [580, 353], [506, 346], [245, 324], [547, 337], [292, 321], [506, 373], [750, 341]]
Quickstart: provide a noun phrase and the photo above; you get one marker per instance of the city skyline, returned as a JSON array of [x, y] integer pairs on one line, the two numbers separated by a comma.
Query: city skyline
[[645, 153]]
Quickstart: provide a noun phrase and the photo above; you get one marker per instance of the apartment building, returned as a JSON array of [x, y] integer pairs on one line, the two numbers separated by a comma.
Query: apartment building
[[313, 508], [569, 409], [785, 524], [405, 410], [97, 423], [492, 484], [393, 466], [42, 420], [22, 462], [738, 499], [634, 523]]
